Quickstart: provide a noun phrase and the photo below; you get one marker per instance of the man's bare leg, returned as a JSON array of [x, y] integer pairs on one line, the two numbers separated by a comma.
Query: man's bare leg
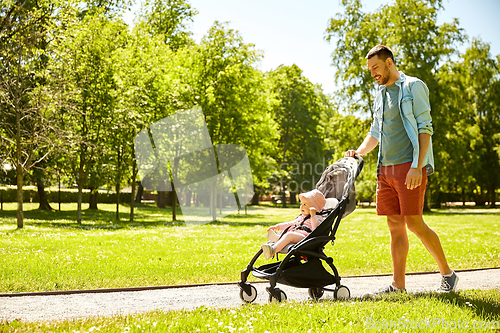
[[430, 240], [399, 249]]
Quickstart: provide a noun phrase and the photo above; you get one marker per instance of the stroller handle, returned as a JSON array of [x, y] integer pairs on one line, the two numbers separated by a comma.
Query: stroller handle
[[361, 164]]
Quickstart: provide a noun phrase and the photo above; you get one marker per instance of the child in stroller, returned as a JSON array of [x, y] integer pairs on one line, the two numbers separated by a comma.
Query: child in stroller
[[298, 229], [305, 264]]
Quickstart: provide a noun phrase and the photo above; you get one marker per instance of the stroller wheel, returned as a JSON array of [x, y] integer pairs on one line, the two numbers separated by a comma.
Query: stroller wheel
[[315, 293], [249, 298], [342, 292], [277, 296]]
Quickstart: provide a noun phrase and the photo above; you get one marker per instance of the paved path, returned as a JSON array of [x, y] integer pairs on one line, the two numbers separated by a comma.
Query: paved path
[[61, 307]]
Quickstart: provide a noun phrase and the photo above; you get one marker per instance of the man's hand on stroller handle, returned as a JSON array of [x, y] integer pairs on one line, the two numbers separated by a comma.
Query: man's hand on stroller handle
[[351, 153]]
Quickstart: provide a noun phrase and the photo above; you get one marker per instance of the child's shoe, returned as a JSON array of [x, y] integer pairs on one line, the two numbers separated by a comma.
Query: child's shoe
[[268, 250]]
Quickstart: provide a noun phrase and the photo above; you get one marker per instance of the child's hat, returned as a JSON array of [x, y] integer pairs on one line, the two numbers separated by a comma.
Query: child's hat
[[316, 199]]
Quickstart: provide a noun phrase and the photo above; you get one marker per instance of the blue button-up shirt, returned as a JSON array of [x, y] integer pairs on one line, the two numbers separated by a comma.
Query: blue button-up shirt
[[415, 110]]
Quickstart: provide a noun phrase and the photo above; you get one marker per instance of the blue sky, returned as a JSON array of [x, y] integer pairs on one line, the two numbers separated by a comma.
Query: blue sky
[[292, 31]]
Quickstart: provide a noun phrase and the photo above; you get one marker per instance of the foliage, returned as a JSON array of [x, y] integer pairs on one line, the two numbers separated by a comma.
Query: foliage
[[167, 18], [26, 131], [84, 92], [408, 27], [463, 94], [297, 113], [76, 66], [234, 96]]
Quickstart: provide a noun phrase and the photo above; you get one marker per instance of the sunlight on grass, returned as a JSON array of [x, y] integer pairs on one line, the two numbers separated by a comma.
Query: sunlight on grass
[[52, 252], [402, 313]]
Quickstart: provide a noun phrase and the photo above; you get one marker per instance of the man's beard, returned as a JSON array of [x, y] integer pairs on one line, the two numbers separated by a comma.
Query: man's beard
[[385, 77]]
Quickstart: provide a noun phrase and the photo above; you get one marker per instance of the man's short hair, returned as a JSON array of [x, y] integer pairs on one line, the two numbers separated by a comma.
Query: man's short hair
[[383, 52]]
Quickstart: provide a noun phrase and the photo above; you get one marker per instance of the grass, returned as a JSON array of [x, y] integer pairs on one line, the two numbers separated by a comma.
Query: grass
[[465, 311], [54, 253]]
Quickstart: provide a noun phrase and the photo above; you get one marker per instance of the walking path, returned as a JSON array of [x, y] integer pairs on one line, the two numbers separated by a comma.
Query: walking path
[[61, 307]]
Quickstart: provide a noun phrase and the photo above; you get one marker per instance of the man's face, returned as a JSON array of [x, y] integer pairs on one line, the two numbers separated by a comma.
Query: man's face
[[379, 69]]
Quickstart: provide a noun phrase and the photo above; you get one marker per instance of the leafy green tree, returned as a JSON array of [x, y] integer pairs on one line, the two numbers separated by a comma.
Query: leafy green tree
[[234, 97], [26, 127], [146, 92], [84, 90], [298, 114], [470, 115], [420, 46], [168, 19]]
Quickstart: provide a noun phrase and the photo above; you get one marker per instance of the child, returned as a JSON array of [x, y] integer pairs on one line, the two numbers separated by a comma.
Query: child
[[296, 230]]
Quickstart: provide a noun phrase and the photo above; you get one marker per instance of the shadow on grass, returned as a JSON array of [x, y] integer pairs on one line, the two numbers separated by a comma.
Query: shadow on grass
[[466, 210], [145, 216]]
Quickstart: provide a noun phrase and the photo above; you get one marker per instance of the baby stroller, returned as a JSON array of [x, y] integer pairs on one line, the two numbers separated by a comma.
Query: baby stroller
[[302, 265]]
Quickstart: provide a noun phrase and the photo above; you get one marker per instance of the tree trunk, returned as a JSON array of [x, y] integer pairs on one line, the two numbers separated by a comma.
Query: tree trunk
[[118, 181], [20, 214], [117, 201], [140, 192], [42, 197], [19, 173], [80, 191], [161, 197], [93, 198], [493, 196], [255, 198], [132, 199], [293, 198], [174, 203]]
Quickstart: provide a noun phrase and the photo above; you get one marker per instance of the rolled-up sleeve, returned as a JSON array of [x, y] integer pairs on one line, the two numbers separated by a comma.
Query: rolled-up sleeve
[[422, 107], [375, 129]]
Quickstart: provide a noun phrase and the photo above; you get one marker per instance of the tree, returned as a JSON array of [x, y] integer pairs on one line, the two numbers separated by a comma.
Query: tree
[[420, 45], [83, 87], [168, 19], [298, 114], [234, 96], [26, 125], [470, 120]]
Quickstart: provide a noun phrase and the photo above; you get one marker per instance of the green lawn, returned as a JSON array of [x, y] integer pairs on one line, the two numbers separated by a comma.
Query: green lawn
[[466, 311], [52, 252]]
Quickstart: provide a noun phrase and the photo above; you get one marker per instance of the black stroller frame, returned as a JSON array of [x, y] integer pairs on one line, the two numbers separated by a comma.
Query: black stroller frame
[[302, 266]]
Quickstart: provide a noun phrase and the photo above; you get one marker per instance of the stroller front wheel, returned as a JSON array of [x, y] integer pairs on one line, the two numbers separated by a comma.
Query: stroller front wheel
[[277, 295], [342, 293], [315, 293], [249, 298]]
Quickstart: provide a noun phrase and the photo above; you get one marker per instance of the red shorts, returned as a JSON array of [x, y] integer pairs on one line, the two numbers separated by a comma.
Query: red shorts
[[393, 197]]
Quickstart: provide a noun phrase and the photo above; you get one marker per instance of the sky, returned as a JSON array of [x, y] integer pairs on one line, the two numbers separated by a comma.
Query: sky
[[292, 31]]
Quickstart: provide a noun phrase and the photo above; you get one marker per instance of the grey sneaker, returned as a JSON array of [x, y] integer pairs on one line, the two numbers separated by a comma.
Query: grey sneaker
[[385, 290], [268, 250], [448, 283]]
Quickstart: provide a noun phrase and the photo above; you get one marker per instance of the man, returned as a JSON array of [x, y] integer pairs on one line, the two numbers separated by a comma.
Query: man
[[402, 127]]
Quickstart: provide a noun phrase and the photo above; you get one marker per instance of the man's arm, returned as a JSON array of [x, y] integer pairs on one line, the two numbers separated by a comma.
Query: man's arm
[[367, 146], [414, 176]]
